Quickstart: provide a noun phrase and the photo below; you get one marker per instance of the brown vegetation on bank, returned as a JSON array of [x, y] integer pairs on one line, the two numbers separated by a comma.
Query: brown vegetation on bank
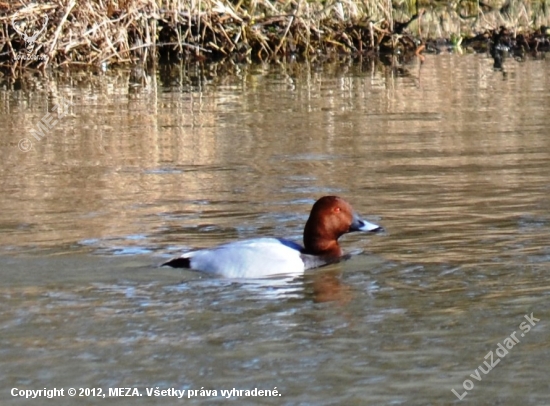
[[90, 33]]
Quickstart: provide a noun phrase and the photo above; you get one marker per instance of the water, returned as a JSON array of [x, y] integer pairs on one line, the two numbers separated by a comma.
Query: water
[[450, 156]]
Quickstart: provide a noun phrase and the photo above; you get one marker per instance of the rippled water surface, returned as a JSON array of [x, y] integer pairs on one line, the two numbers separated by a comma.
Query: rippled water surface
[[450, 156]]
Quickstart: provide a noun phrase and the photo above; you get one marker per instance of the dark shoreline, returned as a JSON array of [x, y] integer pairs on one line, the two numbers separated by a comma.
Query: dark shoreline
[[54, 35]]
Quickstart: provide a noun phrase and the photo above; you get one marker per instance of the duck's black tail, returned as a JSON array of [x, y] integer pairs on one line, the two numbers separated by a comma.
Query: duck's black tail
[[178, 263]]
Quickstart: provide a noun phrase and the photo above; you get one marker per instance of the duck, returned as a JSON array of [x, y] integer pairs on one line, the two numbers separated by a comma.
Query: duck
[[329, 219]]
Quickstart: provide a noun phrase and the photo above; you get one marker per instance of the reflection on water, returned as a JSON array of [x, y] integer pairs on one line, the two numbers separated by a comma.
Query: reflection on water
[[450, 156]]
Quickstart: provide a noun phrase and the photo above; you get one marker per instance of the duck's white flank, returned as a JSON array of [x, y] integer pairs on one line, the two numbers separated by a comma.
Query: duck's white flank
[[255, 258]]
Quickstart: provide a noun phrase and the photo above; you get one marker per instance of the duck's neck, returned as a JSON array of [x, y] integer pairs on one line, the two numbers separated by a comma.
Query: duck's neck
[[316, 245]]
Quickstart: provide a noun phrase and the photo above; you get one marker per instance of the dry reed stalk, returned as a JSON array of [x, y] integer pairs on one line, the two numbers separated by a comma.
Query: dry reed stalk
[[52, 51]]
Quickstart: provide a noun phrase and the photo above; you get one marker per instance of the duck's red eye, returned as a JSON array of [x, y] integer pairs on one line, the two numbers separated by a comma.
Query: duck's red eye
[[337, 209]]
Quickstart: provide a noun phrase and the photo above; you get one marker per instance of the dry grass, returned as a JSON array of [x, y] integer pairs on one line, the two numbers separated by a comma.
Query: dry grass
[[94, 32]]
